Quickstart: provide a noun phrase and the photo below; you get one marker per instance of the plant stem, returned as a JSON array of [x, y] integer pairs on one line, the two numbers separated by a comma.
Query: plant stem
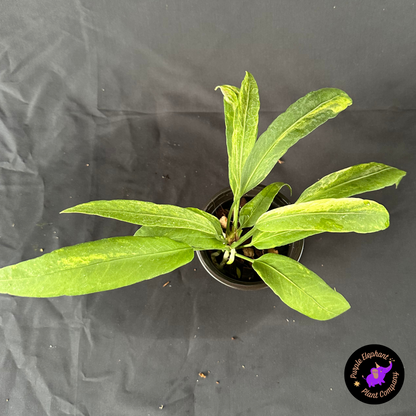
[[236, 212], [231, 232], [246, 246], [244, 257], [245, 237], [230, 213]]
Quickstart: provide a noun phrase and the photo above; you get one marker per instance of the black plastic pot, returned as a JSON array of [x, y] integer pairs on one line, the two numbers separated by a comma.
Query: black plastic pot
[[226, 196]]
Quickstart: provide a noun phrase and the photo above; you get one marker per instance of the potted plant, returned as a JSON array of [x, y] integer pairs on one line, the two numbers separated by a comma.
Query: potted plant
[[170, 235], [240, 273]]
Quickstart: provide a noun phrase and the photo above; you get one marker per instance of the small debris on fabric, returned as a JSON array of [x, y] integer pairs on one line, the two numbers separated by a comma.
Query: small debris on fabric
[[217, 382], [293, 320], [87, 164], [165, 177], [161, 407], [202, 375], [233, 338], [7, 400], [195, 270], [243, 366], [280, 161], [41, 250], [166, 283], [287, 319]]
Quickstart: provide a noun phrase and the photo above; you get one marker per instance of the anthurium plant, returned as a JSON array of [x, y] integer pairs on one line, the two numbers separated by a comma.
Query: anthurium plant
[[170, 235]]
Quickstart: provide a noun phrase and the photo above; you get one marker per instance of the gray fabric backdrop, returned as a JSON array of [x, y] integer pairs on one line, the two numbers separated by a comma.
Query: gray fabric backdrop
[[103, 100]]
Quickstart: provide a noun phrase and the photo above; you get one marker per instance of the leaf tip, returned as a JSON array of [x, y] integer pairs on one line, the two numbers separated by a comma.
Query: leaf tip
[[249, 75], [72, 210], [402, 175]]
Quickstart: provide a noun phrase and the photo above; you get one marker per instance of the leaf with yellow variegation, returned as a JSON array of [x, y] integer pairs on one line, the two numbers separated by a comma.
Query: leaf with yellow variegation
[[299, 287], [94, 267], [300, 119]]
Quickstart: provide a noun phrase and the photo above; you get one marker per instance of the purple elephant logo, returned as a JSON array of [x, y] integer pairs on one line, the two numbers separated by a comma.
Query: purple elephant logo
[[377, 375]]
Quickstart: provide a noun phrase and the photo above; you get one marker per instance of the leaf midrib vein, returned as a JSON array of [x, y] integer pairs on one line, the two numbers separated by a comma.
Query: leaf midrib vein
[[98, 262], [244, 128], [283, 216], [298, 287], [148, 214], [284, 133], [323, 190]]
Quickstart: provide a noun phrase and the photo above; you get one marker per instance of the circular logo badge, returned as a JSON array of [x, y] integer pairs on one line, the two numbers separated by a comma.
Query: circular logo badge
[[374, 374]]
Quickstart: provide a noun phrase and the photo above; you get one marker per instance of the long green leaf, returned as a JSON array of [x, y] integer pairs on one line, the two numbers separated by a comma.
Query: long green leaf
[[148, 213], [196, 239], [353, 181], [246, 123], [252, 211], [94, 267], [300, 288], [230, 105], [245, 127], [264, 240], [334, 215], [300, 119]]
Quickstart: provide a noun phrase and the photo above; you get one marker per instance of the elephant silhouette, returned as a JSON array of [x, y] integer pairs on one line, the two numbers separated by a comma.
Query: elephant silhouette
[[377, 375]]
